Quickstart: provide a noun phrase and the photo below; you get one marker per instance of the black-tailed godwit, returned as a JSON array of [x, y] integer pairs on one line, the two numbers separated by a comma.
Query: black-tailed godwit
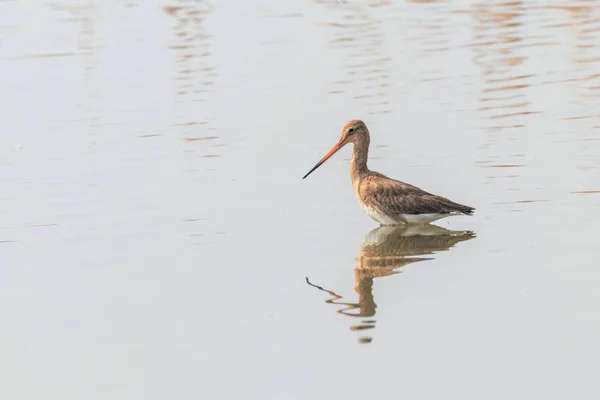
[[386, 200]]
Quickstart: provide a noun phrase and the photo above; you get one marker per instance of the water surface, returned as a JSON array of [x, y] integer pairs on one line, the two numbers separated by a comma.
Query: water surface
[[156, 236]]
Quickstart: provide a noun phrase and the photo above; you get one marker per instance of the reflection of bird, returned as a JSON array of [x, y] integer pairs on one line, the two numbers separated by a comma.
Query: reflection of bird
[[386, 249], [386, 200]]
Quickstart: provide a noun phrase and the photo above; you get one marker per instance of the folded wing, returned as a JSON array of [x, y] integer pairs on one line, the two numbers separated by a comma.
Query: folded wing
[[398, 197]]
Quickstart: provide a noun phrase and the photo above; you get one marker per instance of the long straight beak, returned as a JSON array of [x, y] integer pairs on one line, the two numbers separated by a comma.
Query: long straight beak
[[334, 150]]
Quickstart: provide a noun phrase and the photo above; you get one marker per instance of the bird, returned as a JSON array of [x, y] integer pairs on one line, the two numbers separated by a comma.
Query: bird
[[386, 200]]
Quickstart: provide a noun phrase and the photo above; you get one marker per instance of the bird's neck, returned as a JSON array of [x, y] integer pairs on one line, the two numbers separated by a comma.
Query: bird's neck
[[359, 158]]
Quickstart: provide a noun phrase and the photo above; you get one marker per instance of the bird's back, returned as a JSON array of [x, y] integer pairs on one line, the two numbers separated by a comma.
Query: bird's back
[[394, 197]]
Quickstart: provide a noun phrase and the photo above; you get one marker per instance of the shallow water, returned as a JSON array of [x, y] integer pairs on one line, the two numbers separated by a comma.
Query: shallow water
[[157, 241]]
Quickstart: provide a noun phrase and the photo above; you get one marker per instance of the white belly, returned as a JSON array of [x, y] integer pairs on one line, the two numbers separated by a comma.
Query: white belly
[[423, 218], [378, 216], [385, 219]]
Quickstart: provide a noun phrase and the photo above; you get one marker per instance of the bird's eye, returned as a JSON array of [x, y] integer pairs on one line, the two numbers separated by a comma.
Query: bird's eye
[[350, 130]]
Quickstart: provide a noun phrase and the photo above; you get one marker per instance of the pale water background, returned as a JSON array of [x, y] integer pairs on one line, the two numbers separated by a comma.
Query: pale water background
[[155, 233]]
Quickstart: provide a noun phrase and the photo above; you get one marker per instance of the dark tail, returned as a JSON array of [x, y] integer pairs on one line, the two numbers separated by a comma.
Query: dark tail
[[465, 209]]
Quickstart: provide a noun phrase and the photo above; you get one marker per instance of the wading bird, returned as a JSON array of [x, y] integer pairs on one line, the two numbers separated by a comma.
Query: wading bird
[[386, 200]]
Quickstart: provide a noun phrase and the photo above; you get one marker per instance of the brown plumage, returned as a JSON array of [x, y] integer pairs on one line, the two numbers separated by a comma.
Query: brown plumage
[[403, 198], [387, 200]]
